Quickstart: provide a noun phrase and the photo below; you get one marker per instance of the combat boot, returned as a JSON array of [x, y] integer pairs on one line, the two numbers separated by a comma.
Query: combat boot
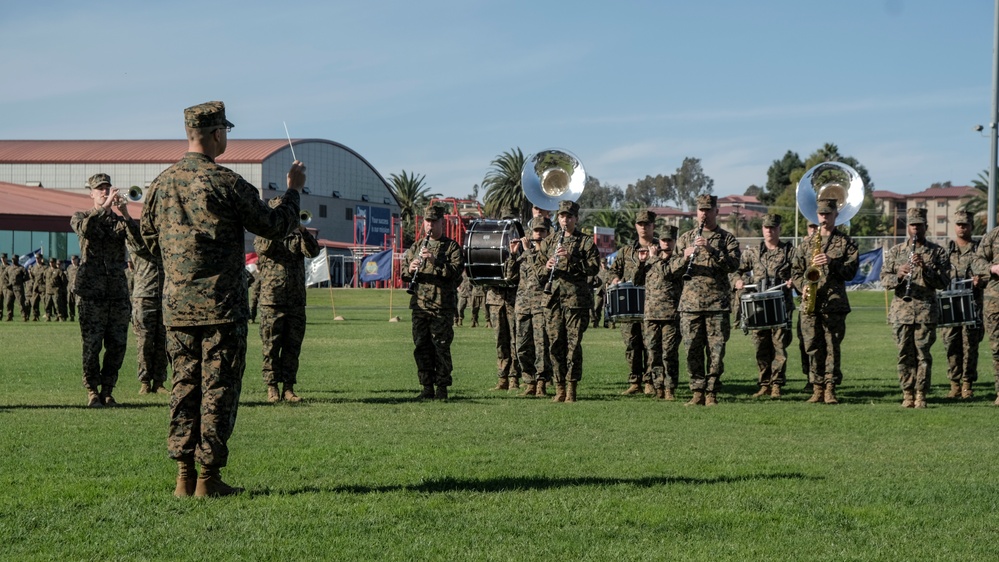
[[816, 394], [966, 391], [289, 393], [93, 400], [661, 393], [272, 393], [908, 401], [830, 395], [514, 383], [530, 389], [560, 393], [106, 397], [210, 484], [920, 400], [763, 391], [502, 384], [187, 479], [649, 389], [955, 390], [633, 388], [441, 393], [775, 392], [668, 395], [711, 399], [158, 388], [427, 393], [697, 399], [475, 322], [144, 388], [570, 391], [542, 388]]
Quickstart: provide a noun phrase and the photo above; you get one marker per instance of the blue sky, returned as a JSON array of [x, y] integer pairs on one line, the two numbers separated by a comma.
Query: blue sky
[[442, 87]]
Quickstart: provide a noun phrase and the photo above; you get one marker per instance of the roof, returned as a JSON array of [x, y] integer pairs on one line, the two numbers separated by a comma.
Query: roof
[[670, 211], [134, 151], [884, 194], [39, 201], [956, 192], [744, 199]]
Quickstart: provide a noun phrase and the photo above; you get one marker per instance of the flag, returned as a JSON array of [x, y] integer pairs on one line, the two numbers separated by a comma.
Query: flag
[[376, 267], [28, 260], [869, 270], [317, 269]]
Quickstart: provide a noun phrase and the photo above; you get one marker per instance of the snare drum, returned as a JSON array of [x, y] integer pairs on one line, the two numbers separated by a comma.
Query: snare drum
[[487, 247], [763, 311], [957, 308], [626, 303]]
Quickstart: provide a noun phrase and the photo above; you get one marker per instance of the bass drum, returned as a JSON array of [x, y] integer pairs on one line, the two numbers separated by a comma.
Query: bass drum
[[487, 247]]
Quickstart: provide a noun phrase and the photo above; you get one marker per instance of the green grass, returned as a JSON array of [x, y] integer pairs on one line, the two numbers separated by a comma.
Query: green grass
[[359, 471]]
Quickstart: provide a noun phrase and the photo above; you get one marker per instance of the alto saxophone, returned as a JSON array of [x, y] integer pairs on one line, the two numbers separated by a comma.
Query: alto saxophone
[[812, 276]]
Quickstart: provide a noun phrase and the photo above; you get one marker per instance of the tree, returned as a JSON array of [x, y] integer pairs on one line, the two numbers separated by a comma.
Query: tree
[[599, 196], [753, 191], [652, 191], [412, 195], [779, 177], [689, 181], [503, 186], [474, 195], [979, 205]]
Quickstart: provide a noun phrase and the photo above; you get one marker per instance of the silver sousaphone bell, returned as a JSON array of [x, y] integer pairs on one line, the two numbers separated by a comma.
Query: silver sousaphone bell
[[552, 176], [831, 180]]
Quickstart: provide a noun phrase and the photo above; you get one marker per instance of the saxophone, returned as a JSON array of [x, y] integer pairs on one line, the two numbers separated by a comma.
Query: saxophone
[[812, 276]]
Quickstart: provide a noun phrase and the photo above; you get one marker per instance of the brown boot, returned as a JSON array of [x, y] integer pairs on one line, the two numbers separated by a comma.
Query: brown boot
[[157, 388], [542, 388], [427, 393], [668, 395], [289, 393], [530, 389], [908, 401], [775, 392], [514, 383], [272, 393], [697, 399], [661, 393], [108, 400], [570, 391], [441, 393], [816, 394], [649, 389], [632, 389], [210, 484], [144, 388], [955, 390], [763, 391], [93, 400], [830, 395], [711, 399], [560, 393], [503, 384], [920, 400], [966, 391], [187, 479]]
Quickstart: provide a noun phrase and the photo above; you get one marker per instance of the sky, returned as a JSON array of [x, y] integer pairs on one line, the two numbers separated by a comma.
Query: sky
[[440, 88]]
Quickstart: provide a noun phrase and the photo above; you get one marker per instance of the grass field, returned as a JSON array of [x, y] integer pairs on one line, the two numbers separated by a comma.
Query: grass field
[[359, 471]]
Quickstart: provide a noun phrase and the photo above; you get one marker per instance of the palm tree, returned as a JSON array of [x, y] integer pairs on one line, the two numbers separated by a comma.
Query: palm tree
[[979, 206], [412, 195], [503, 186]]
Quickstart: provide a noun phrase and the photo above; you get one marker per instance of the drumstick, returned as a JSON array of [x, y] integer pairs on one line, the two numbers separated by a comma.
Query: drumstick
[[289, 141]]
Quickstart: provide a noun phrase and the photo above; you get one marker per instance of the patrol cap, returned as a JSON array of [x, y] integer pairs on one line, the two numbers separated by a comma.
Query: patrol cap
[[98, 180], [645, 216], [3, 255], [705, 202], [53, 261], [964, 217], [825, 206], [507, 212], [541, 223], [433, 213], [669, 233], [569, 208], [915, 216], [771, 219], [206, 115]]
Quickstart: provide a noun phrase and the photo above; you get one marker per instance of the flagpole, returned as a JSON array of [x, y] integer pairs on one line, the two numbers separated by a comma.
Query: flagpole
[[392, 285]]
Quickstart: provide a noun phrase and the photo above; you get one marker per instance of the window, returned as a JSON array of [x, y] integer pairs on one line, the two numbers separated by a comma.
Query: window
[[941, 204], [322, 211], [941, 220]]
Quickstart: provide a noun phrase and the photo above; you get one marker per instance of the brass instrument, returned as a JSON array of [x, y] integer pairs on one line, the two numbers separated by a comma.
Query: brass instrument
[[304, 217], [134, 193], [690, 261], [812, 276], [413, 283], [908, 276], [552, 176]]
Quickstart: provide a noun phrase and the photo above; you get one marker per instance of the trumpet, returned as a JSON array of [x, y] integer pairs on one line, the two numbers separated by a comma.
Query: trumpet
[[413, 283], [690, 262], [908, 276], [304, 217], [134, 193]]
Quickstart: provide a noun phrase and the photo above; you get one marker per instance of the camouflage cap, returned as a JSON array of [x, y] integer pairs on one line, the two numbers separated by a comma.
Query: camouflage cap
[[915, 216], [508, 212], [826, 206], [669, 233], [53, 260], [645, 216], [205, 115], [541, 223], [3, 255], [98, 180], [705, 202], [771, 219], [964, 217], [433, 213], [569, 208]]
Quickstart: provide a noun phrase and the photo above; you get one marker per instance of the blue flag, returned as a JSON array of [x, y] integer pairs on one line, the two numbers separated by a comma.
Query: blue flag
[[870, 267], [28, 260], [376, 267]]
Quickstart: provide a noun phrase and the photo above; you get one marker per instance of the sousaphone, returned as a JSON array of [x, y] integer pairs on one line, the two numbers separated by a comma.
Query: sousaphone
[[831, 180], [552, 176]]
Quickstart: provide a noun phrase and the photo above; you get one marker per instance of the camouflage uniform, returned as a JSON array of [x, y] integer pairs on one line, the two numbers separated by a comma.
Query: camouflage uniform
[[661, 322], [71, 298], [478, 296], [103, 291], [705, 304], [802, 354], [254, 284], [599, 283], [500, 302], [770, 268], [5, 294], [624, 268], [823, 331], [433, 306], [532, 335], [195, 214], [36, 289], [281, 271], [147, 315], [464, 295], [55, 282], [986, 256], [961, 342], [567, 308], [15, 278], [914, 322]]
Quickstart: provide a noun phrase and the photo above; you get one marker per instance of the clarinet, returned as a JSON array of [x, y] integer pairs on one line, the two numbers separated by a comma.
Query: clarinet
[[908, 277], [690, 261], [551, 277], [413, 283]]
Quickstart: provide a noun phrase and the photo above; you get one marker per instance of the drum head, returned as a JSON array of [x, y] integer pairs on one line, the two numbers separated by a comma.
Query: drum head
[[487, 247]]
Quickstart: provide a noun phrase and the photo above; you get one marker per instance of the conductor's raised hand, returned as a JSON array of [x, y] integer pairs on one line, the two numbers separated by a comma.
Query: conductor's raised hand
[[296, 176]]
